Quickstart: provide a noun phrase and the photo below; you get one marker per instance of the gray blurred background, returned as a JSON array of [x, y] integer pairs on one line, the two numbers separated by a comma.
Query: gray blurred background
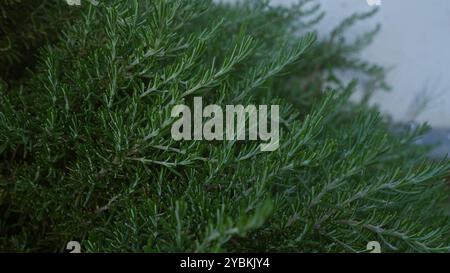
[[414, 42]]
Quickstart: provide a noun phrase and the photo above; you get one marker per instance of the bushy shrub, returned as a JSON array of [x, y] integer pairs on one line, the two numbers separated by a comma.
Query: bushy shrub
[[86, 152]]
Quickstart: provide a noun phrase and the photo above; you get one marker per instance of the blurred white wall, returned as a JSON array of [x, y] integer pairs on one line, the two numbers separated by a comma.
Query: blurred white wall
[[415, 42]]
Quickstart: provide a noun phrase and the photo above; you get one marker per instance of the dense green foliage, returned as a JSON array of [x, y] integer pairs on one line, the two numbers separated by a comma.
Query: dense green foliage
[[24, 26], [86, 152]]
